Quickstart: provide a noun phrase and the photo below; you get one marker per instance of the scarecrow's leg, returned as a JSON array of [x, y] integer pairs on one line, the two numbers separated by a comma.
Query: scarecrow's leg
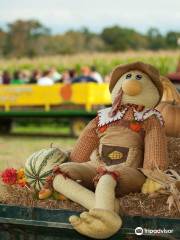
[[105, 193], [102, 221], [69, 187], [76, 183], [74, 191]]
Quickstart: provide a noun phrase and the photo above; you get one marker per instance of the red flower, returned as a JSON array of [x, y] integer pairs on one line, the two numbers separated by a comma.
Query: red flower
[[9, 176]]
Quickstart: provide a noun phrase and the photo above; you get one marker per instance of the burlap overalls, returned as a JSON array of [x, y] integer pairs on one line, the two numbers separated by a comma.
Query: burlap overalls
[[121, 150]]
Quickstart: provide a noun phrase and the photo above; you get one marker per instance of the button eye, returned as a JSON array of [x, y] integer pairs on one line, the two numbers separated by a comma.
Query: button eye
[[129, 75], [138, 77]]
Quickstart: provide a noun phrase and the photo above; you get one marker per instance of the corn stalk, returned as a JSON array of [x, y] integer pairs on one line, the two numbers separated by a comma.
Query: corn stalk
[[170, 181]]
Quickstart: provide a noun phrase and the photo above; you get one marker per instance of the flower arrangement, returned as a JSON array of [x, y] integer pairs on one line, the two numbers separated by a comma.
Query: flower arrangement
[[16, 177], [12, 176]]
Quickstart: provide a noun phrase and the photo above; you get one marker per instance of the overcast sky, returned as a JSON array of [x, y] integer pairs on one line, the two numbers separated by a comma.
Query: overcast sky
[[61, 15]]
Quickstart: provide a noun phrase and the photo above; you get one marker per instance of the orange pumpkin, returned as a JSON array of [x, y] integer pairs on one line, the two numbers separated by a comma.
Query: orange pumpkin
[[171, 114], [170, 92]]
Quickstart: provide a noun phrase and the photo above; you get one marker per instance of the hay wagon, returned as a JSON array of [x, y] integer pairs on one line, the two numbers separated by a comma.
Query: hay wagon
[[21, 223], [76, 103]]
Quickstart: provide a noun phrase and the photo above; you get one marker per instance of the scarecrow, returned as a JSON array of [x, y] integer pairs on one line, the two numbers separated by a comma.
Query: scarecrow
[[125, 137], [106, 160]]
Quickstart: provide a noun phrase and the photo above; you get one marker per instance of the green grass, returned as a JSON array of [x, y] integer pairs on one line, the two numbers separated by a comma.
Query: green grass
[[43, 129], [15, 149]]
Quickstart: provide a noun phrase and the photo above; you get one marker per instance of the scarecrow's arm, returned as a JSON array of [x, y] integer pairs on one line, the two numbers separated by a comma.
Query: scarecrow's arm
[[87, 142], [155, 153]]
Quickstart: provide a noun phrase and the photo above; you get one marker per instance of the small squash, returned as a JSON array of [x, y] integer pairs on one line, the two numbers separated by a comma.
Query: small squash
[[171, 114], [45, 193], [150, 186]]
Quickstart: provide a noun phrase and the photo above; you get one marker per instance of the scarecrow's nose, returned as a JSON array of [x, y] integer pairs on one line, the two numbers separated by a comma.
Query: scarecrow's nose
[[132, 87]]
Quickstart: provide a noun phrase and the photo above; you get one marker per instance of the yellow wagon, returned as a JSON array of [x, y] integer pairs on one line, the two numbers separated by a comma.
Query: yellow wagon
[[76, 102]]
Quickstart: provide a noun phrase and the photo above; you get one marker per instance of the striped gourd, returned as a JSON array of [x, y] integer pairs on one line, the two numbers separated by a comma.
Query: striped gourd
[[40, 164]]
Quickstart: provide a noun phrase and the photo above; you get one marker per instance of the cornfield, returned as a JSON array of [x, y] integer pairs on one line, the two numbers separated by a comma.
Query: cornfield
[[165, 61]]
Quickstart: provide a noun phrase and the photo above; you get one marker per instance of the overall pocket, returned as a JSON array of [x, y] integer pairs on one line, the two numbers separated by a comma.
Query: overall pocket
[[112, 155]]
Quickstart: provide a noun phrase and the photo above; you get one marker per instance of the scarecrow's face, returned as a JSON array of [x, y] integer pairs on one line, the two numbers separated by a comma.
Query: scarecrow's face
[[137, 89]]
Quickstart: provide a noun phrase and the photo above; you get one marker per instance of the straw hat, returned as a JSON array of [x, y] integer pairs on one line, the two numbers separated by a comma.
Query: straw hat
[[148, 69]]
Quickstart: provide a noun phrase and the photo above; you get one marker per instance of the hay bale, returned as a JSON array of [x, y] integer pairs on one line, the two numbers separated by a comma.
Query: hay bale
[[132, 204]]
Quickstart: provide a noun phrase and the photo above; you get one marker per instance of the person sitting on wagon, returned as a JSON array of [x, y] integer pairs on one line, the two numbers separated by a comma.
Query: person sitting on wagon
[[96, 75], [175, 77], [17, 78], [46, 79], [6, 78], [85, 77]]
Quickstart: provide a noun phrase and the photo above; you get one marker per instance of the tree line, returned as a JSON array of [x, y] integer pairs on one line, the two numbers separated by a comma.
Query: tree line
[[31, 38]]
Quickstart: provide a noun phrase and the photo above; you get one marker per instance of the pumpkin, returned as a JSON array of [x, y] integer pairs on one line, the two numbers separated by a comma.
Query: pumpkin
[[40, 165], [171, 114], [170, 92]]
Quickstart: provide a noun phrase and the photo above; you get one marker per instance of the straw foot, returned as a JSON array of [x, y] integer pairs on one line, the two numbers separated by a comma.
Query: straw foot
[[97, 223]]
